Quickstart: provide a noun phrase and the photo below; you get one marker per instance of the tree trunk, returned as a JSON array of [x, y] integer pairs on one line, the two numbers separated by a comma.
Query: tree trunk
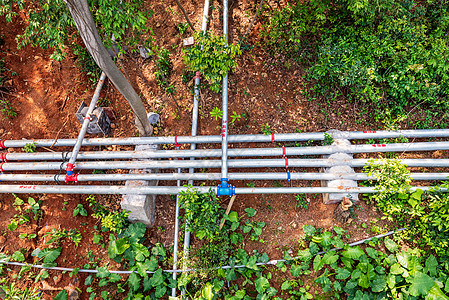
[[342, 213], [79, 9]]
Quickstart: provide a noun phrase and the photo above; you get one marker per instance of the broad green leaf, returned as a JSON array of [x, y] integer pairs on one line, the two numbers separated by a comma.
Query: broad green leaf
[[119, 246], [330, 258], [135, 232], [391, 281], [391, 245], [396, 269], [17, 256], [342, 274], [339, 230], [379, 284], [364, 281], [435, 293], [371, 252], [160, 291], [309, 230], [318, 263], [134, 281], [353, 252], [233, 216], [271, 291], [261, 284], [240, 294], [141, 252], [235, 225], [431, 266], [420, 284], [62, 295], [230, 274], [102, 272], [337, 285], [327, 239], [304, 255], [403, 258], [295, 270], [286, 285], [114, 278], [50, 255], [251, 212], [157, 278]]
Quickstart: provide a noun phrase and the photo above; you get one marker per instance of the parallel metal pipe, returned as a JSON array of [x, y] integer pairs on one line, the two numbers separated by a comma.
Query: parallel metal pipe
[[211, 176], [251, 138], [194, 133], [233, 163], [236, 152], [85, 125], [224, 121], [173, 190]]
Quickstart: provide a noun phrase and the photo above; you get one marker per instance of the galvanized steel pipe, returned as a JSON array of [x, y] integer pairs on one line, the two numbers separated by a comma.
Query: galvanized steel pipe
[[233, 163], [212, 176], [250, 138], [86, 122], [235, 152], [164, 190]]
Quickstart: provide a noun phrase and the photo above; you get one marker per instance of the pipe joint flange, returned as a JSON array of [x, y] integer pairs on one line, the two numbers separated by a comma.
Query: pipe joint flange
[[73, 178], [225, 189], [69, 169]]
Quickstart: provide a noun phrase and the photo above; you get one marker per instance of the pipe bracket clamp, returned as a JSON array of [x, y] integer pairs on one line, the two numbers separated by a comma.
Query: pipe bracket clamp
[[225, 189]]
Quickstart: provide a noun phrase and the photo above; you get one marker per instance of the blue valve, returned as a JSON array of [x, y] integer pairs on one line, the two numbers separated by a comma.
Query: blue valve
[[225, 188]]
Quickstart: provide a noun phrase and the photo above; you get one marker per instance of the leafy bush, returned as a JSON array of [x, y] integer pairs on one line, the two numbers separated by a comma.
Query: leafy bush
[[213, 57], [367, 273], [383, 52], [50, 25], [426, 214]]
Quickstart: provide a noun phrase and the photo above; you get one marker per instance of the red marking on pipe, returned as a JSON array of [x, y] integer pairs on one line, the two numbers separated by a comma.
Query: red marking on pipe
[[272, 137], [197, 75], [2, 144], [1, 167], [3, 157], [283, 151], [223, 135], [286, 162], [369, 131], [73, 178], [27, 187], [225, 121], [176, 142], [88, 118], [379, 145]]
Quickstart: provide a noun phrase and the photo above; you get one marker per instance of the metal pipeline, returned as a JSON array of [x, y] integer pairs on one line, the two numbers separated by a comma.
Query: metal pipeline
[[233, 163], [224, 188], [212, 176], [236, 152], [82, 133], [173, 190], [194, 133], [205, 139]]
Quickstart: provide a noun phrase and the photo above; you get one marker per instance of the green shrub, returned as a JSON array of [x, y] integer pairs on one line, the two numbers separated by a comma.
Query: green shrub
[[386, 52], [213, 57]]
